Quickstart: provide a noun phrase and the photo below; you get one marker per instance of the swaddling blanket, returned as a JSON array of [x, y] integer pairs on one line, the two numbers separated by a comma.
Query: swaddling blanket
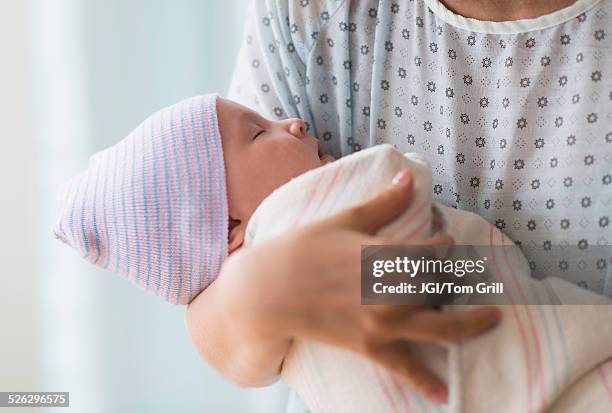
[[540, 358]]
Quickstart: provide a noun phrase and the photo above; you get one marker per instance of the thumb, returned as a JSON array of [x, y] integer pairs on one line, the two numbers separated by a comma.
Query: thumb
[[381, 209]]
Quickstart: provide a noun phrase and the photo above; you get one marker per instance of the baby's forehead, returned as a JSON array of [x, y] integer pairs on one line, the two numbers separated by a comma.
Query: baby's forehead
[[235, 111]]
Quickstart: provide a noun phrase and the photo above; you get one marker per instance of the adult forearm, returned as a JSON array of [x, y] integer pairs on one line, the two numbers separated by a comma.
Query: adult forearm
[[219, 326]]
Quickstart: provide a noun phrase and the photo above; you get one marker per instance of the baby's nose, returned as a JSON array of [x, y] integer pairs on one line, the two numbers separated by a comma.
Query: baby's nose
[[297, 128]]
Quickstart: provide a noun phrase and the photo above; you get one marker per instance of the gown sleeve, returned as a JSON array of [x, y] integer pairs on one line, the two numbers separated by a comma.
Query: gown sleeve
[[270, 75]]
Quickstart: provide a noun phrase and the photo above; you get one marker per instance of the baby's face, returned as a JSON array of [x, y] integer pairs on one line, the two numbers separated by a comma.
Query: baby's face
[[260, 156]]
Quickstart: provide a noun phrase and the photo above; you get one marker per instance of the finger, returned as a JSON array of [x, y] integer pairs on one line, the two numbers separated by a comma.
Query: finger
[[396, 358], [378, 211], [439, 238], [436, 246], [433, 326], [432, 247]]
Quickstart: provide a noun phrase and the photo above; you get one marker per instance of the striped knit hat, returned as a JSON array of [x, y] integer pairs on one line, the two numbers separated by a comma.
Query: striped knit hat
[[153, 207]]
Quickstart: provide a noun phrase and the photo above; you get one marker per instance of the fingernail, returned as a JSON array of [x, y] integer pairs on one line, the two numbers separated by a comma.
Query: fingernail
[[494, 313], [440, 395], [400, 178]]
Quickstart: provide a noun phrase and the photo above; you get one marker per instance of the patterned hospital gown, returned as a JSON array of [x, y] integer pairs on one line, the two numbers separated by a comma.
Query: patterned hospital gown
[[514, 117]]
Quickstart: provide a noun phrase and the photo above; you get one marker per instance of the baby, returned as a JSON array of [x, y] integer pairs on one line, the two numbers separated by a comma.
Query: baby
[[201, 178], [167, 204]]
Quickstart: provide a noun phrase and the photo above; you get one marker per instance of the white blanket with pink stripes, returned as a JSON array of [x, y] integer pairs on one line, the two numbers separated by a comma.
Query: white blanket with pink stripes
[[540, 358]]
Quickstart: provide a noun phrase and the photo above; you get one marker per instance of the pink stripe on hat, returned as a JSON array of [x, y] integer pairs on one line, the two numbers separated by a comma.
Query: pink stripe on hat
[[153, 207]]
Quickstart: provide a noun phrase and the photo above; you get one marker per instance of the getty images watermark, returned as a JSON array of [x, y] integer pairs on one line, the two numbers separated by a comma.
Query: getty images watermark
[[469, 274]]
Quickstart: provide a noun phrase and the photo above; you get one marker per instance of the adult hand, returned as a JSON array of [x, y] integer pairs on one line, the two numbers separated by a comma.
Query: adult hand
[[306, 284]]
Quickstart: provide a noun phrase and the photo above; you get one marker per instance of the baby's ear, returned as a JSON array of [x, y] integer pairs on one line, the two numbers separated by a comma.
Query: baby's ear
[[237, 230]]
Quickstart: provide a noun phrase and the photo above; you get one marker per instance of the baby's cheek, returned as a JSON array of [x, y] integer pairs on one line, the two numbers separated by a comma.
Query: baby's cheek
[[294, 157]]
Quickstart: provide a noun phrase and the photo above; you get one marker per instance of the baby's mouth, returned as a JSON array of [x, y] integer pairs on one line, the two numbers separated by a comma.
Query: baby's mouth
[[325, 158]]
